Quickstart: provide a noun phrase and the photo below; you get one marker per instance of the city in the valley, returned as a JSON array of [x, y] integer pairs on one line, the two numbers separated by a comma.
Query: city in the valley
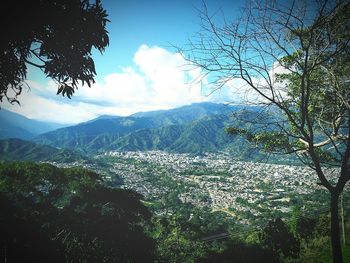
[[249, 192]]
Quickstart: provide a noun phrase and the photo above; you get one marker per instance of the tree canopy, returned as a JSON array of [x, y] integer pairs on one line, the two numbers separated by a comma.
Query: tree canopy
[[54, 36], [294, 61], [67, 215]]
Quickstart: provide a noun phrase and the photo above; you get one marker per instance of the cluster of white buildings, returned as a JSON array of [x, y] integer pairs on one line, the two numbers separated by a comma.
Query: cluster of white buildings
[[216, 180]]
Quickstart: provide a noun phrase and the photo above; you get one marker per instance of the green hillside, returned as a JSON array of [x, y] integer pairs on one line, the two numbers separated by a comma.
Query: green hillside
[[195, 129], [20, 150], [14, 125]]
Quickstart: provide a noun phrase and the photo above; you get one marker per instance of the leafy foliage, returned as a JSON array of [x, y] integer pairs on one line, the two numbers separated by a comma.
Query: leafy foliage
[[54, 36], [240, 252], [278, 238], [72, 214], [271, 141], [175, 242]]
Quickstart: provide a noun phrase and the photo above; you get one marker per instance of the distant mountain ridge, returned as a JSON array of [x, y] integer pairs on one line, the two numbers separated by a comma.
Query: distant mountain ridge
[[195, 128], [14, 125], [21, 150], [81, 135]]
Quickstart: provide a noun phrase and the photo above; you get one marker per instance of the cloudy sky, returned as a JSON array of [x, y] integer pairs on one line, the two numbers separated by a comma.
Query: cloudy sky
[[139, 71]]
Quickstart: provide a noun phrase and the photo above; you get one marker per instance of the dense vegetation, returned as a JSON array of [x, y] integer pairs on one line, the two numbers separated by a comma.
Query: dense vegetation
[[20, 150], [68, 215]]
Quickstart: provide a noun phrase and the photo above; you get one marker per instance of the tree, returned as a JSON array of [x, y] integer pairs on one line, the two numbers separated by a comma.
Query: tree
[[239, 252], [54, 36], [22, 238], [51, 214], [277, 237], [293, 58], [176, 239]]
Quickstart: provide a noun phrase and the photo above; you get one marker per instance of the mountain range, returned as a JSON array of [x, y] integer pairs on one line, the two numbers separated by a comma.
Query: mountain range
[[14, 125], [21, 150], [196, 128]]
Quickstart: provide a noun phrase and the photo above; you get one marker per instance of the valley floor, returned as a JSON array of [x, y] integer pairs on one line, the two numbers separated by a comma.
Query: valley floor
[[248, 191]]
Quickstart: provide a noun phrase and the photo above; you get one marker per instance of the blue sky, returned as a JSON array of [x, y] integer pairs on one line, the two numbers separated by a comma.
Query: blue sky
[[140, 69], [161, 23]]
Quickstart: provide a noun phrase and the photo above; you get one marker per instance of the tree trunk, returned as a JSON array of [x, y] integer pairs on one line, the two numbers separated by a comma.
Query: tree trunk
[[335, 231]]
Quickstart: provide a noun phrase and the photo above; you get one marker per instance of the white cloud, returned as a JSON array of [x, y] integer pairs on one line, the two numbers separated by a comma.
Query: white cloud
[[40, 108], [237, 90], [157, 80]]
